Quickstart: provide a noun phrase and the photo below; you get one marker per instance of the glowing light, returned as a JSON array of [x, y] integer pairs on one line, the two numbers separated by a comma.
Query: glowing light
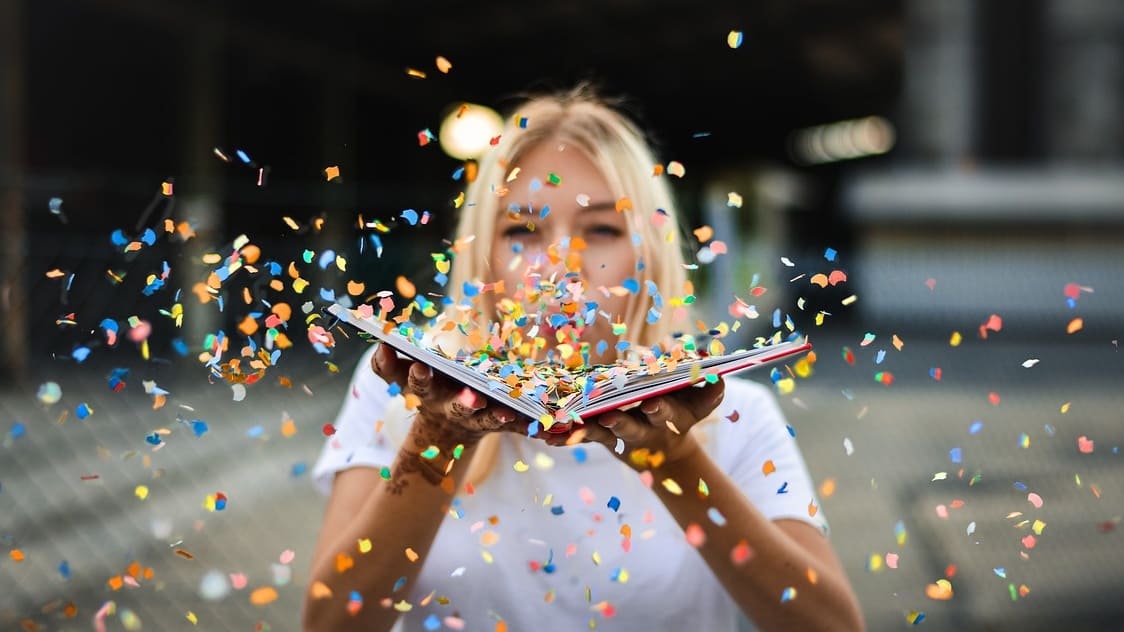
[[842, 140], [468, 129]]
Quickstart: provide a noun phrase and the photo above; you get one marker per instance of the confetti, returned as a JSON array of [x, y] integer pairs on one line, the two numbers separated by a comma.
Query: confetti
[[734, 39]]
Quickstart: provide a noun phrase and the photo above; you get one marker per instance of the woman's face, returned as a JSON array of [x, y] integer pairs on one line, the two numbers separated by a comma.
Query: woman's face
[[559, 264]]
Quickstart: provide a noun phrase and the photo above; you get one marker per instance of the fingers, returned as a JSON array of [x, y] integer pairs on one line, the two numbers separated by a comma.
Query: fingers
[[387, 364], [624, 426]]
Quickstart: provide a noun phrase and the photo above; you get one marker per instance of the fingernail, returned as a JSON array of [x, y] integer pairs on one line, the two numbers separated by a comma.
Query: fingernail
[[649, 408]]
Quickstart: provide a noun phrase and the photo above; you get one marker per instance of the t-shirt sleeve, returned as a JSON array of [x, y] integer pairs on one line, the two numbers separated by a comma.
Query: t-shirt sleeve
[[762, 456], [369, 428]]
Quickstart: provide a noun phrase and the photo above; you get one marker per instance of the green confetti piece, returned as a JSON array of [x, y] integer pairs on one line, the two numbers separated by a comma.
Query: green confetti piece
[[711, 378], [458, 451], [430, 452], [1014, 593], [384, 472], [554, 179]]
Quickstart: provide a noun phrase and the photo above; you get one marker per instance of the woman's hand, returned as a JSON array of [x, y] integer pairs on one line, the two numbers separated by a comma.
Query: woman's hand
[[450, 411], [656, 432]]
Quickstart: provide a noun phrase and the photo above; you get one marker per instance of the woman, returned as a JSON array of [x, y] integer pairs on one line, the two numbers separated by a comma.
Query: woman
[[506, 531]]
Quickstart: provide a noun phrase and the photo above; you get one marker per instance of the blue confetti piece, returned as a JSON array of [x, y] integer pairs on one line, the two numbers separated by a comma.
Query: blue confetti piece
[[788, 594], [558, 321], [1050, 430], [954, 455], [580, 455], [652, 288], [549, 568], [653, 316], [109, 324], [149, 237], [118, 238], [327, 295], [1070, 303], [298, 469], [410, 215], [535, 186], [880, 356], [393, 389], [441, 279], [783, 488], [602, 346], [545, 211], [919, 619], [355, 597], [220, 504], [614, 503], [243, 156], [533, 428], [153, 439], [83, 411], [458, 173], [557, 510], [80, 354], [791, 431], [975, 427], [327, 258], [632, 285], [432, 622], [255, 432], [399, 583], [180, 347], [777, 317], [199, 427], [1001, 572], [64, 569], [829, 254], [470, 290], [17, 430], [1020, 486]]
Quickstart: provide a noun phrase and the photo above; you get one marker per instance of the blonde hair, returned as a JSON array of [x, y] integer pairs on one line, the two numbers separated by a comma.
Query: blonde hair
[[581, 120]]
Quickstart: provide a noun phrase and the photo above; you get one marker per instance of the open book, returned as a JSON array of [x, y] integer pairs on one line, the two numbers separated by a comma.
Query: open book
[[558, 397]]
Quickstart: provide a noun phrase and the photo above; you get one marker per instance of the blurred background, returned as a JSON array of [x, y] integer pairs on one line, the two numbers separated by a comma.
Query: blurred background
[[962, 164]]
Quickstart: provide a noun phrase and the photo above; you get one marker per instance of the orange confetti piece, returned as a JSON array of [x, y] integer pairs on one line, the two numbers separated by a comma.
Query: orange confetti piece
[[741, 553], [405, 287], [320, 590], [16, 555], [355, 288], [812, 509], [248, 326], [827, 488], [703, 234], [444, 65], [263, 596], [411, 554], [1074, 326], [501, 626], [332, 173], [288, 428], [116, 582], [768, 467], [624, 204], [343, 562], [819, 279], [184, 554]]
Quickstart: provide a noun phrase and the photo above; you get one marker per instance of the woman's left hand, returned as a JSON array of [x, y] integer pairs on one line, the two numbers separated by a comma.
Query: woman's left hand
[[655, 432]]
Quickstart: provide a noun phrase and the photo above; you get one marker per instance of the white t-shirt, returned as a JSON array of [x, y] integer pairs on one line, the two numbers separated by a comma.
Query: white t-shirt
[[543, 549]]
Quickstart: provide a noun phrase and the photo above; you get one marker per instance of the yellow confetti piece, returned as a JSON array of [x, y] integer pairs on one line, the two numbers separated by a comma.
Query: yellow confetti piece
[[166, 188], [459, 200], [1065, 407], [444, 65], [597, 558], [1074, 326], [955, 339], [415, 73], [411, 554], [141, 491], [364, 545], [1037, 527], [487, 557], [850, 300], [786, 385], [299, 285], [734, 199], [263, 596], [520, 467], [192, 618], [676, 169], [734, 39], [671, 486]]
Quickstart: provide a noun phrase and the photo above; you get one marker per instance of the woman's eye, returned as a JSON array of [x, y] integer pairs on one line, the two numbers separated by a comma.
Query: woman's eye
[[517, 232], [604, 231]]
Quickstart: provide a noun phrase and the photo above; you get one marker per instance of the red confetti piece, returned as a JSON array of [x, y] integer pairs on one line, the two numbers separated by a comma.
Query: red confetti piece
[[993, 397], [329, 430]]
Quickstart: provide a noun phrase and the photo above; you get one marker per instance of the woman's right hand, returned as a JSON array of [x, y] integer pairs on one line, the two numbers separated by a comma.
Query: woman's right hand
[[451, 410]]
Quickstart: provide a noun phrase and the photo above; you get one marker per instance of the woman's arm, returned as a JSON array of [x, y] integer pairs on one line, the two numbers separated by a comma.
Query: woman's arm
[[400, 516], [771, 556], [402, 513], [782, 554]]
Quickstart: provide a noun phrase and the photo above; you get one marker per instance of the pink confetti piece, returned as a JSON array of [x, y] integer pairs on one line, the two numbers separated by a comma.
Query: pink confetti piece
[[1029, 541], [287, 556], [238, 581], [1085, 444], [696, 537], [1035, 500], [942, 512], [892, 560]]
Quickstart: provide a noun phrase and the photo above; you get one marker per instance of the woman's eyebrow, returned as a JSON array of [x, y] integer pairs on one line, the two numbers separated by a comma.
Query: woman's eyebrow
[[606, 205]]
